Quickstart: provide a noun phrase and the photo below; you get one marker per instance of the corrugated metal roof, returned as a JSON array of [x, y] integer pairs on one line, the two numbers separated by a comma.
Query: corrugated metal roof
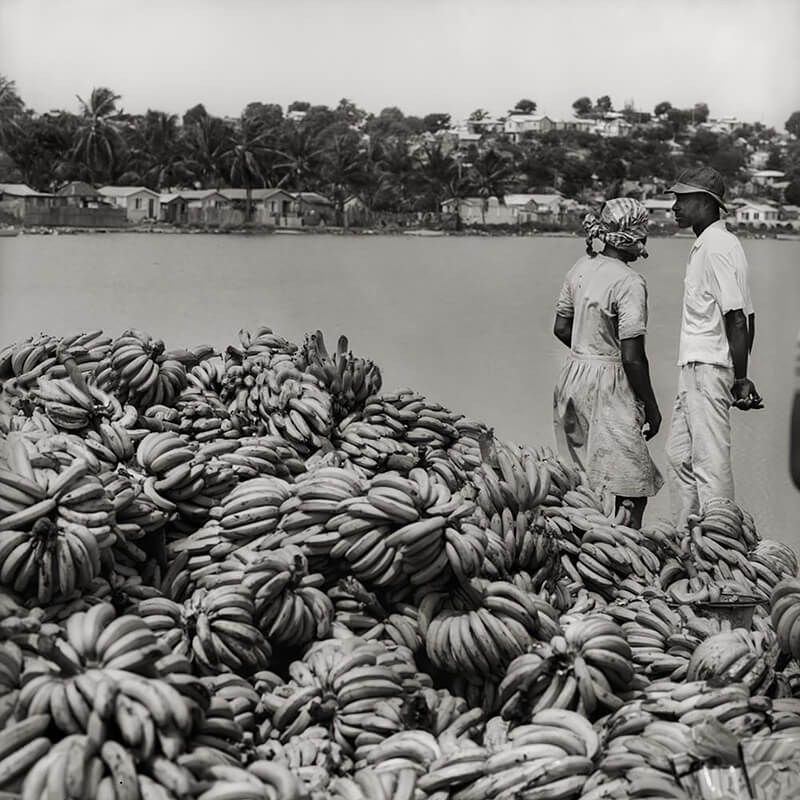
[[255, 194], [21, 190], [312, 197], [77, 189], [124, 191]]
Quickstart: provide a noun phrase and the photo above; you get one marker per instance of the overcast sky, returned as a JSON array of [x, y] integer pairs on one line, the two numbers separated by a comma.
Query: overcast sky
[[742, 57]]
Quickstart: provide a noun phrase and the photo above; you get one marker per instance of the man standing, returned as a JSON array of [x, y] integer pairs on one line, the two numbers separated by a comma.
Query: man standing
[[717, 332]]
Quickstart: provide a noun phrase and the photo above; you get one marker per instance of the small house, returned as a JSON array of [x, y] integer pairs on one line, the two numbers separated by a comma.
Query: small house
[[81, 195], [268, 206], [758, 214], [19, 200], [517, 125], [138, 202], [314, 209], [659, 209]]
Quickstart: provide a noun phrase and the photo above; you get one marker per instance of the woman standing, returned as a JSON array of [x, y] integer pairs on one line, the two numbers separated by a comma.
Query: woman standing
[[605, 408]]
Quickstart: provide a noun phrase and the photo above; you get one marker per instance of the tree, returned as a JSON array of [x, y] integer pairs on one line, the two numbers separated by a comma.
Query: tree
[[700, 112], [344, 165], [11, 108], [525, 106], [603, 104], [728, 161], [98, 143], [298, 105], [582, 106], [243, 159], [194, 114], [774, 159], [266, 116], [478, 115], [489, 176], [297, 157], [205, 142], [436, 122], [662, 108], [793, 124], [792, 193], [439, 172], [347, 111]]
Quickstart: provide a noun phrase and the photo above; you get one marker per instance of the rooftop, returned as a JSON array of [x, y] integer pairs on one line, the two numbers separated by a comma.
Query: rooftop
[[124, 191]]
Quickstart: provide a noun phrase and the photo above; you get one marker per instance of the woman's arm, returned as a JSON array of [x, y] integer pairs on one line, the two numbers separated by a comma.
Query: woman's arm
[[563, 329], [637, 369]]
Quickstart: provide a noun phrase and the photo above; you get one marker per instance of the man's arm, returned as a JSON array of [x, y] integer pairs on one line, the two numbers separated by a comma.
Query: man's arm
[[637, 369], [739, 335], [751, 328], [562, 329]]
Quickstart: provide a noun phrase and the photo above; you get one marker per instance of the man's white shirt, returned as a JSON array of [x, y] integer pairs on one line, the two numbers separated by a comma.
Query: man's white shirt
[[717, 281]]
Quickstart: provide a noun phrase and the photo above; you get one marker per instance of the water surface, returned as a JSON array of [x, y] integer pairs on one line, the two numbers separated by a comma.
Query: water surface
[[466, 321]]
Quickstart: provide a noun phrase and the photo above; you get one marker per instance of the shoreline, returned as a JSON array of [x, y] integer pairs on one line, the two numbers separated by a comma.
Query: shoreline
[[355, 231]]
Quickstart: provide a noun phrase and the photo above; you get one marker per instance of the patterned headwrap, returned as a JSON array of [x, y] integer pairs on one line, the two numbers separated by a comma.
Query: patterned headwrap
[[622, 224]]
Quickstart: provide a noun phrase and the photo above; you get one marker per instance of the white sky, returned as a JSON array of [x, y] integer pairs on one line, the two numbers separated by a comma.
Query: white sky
[[742, 57]]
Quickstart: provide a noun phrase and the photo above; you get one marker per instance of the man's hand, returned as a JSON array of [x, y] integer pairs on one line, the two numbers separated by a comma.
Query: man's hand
[[652, 422], [745, 395]]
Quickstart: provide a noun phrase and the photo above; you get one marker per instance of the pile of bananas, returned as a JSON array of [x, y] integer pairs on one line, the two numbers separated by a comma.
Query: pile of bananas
[[248, 574]]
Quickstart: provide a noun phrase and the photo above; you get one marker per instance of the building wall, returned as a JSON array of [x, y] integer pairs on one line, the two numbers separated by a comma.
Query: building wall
[[142, 212], [72, 216]]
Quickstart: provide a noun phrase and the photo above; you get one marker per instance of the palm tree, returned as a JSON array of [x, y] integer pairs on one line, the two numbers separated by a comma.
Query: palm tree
[[98, 143], [244, 158], [205, 142], [397, 165], [344, 165], [439, 172], [297, 158], [489, 175], [11, 108], [154, 153]]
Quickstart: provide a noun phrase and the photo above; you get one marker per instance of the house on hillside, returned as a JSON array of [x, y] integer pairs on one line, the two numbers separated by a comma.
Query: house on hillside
[[138, 202], [758, 214], [535, 207], [576, 124], [517, 125], [614, 127], [659, 209], [515, 209], [767, 177]]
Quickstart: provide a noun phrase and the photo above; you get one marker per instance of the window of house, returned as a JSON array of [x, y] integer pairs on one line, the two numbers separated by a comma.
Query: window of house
[[272, 206], [138, 203], [755, 215]]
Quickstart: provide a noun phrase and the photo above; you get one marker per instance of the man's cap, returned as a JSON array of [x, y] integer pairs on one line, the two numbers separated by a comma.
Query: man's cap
[[700, 179]]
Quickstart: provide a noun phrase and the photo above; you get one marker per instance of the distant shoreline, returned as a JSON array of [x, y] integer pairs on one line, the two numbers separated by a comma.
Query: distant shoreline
[[330, 230]]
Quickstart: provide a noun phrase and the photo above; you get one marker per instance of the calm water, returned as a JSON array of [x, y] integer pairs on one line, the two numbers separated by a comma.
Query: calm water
[[466, 321]]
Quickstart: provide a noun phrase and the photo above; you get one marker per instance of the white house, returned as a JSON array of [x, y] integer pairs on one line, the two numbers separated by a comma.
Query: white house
[[756, 214], [659, 210], [767, 177], [138, 202], [516, 125], [515, 208]]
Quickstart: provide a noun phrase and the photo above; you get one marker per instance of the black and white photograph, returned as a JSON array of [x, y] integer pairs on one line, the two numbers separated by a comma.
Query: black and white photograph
[[399, 400]]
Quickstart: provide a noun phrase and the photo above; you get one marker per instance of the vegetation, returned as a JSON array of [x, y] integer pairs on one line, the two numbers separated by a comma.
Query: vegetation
[[392, 162]]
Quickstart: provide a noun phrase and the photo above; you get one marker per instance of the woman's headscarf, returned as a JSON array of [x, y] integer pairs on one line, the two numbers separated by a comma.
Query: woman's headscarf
[[622, 224]]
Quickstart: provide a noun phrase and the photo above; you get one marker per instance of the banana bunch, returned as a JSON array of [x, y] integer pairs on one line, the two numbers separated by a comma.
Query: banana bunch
[[291, 404], [653, 632], [260, 344], [445, 466], [772, 561], [218, 730], [55, 546], [785, 613], [374, 447], [550, 757], [290, 608], [11, 665], [314, 502], [611, 552], [736, 655], [140, 372], [252, 509], [364, 615], [375, 783], [479, 628], [203, 417], [351, 686], [207, 374], [312, 757], [214, 629], [240, 696], [348, 380], [24, 362], [254, 456], [228, 780], [71, 406], [22, 744], [451, 714]]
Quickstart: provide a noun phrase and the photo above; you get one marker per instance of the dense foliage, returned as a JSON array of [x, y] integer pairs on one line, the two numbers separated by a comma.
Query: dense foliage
[[392, 162]]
